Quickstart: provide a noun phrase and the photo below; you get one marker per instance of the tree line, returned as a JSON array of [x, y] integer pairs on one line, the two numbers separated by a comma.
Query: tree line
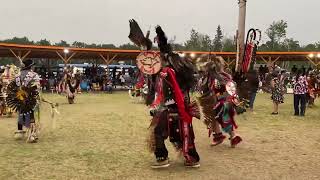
[[276, 34]]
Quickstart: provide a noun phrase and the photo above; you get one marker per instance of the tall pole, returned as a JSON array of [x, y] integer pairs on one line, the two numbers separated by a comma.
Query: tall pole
[[241, 33]]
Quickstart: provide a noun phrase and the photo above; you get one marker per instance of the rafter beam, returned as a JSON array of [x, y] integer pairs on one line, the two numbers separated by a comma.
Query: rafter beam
[[264, 59], [107, 59], [20, 57], [23, 57], [275, 59], [65, 58], [62, 58], [69, 58], [313, 62]]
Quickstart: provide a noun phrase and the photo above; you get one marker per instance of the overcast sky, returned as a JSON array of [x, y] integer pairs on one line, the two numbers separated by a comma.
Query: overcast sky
[[106, 21]]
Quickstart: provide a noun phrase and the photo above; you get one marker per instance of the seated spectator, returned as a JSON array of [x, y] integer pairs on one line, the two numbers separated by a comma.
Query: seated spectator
[[51, 82], [108, 86], [84, 85]]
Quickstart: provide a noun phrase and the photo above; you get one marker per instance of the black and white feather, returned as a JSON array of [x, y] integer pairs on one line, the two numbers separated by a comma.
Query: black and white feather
[[137, 37], [23, 99]]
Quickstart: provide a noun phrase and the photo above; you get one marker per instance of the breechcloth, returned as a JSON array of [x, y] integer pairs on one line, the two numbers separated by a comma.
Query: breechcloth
[[170, 125]]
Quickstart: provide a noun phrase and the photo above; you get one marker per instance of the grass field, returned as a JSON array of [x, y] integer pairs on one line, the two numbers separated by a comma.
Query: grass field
[[102, 136]]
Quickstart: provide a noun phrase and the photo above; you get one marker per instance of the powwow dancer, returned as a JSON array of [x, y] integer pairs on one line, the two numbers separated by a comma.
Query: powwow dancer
[[218, 100], [169, 86], [24, 97], [3, 96], [70, 83], [7, 75], [222, 96], [313, 87]]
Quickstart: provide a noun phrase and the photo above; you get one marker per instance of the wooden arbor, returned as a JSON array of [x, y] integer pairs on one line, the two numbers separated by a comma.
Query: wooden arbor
[[66, 54]]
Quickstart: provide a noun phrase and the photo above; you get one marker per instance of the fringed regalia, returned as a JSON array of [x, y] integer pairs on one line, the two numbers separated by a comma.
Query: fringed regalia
[[169, 81], [313, 86], [23, 96], [7, 75], [221, 95], [170, 109], [218, 100], [72, 82], [171, 117]]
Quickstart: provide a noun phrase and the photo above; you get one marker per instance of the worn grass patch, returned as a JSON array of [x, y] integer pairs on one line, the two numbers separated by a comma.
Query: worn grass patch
[[102, 136]]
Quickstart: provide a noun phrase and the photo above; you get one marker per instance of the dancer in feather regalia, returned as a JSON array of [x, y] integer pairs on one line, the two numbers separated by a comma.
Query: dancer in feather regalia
[[7, 75], [24, 97], [222, 95], [169, 83], [218, 100], [170, 108], [70, 83], [3, 96], [313, 87]]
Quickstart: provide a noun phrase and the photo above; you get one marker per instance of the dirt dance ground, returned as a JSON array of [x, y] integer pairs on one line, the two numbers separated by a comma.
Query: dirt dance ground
[[102, 136]]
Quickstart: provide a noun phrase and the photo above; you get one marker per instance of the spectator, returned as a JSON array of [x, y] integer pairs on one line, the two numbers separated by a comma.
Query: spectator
[[253, 78], [51, 82], [122, 80], [299, 90], [303, 70], [277, 93], [131, 72], [309, 69], [265, 70], [261, 69], [108, 86], [294, 69], [114, 71]]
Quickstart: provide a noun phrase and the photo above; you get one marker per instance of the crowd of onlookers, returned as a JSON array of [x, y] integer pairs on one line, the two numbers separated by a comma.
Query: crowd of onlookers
[[92, 78], [301, 82], [96, 78]]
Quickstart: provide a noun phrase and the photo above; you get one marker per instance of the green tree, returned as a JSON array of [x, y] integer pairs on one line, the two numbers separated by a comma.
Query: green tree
[[198, 42], [193, 43], [310, 47], [290, 44], [217, 41], [93, 45], [228, 45], [206, 43], [17, 40], [79, 44], [318, 46], [108, 46], [276, 32], [43, 42], [178, 47], [129, 46], [62, 43]]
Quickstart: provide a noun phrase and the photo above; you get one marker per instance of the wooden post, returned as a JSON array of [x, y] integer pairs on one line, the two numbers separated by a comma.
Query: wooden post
[[241, 32]]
